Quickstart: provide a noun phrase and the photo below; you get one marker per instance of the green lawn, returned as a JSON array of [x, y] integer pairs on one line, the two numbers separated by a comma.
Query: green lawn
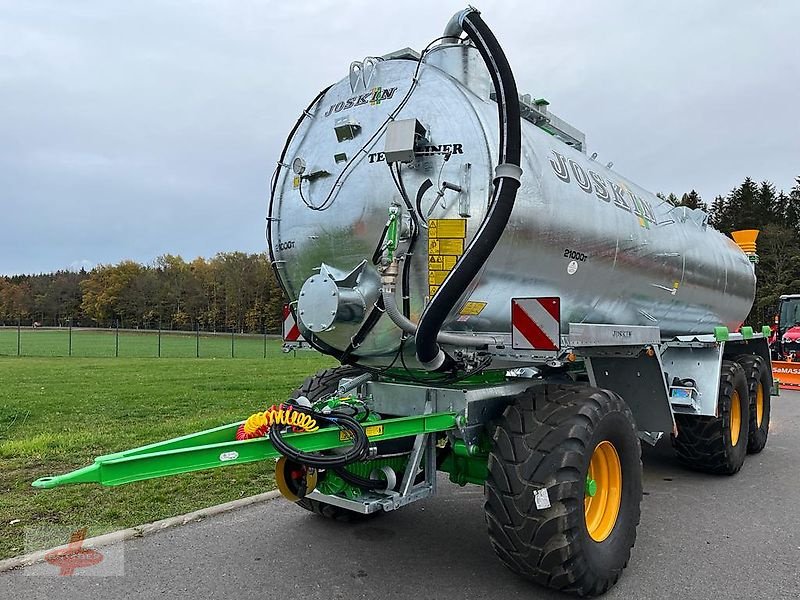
[[104, 343], [57, 414]]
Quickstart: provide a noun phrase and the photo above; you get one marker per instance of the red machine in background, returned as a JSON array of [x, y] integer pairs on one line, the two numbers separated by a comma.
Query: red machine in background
[[785, 342]]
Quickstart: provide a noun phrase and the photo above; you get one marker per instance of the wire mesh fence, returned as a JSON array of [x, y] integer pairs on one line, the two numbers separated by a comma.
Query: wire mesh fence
[[134, 343]]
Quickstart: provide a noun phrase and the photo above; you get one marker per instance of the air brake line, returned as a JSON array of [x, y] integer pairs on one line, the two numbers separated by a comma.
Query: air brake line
[[271, 421]]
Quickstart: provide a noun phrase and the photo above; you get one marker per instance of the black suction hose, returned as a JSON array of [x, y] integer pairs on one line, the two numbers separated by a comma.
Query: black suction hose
[[506, 183]]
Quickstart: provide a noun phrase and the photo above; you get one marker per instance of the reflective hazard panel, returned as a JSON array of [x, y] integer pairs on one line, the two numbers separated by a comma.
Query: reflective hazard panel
[[536, 323], [291, 333]]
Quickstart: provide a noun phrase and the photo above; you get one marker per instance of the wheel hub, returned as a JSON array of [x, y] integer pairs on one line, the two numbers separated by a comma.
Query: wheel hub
[[736, 417], [759, 404], [603, 495]]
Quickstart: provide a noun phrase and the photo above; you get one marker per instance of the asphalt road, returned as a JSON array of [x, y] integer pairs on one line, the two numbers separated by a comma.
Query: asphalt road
[[700, 537]]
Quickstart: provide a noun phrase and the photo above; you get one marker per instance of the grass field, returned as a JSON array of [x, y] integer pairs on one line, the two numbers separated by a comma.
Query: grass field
[[90, 343], [57, 414]]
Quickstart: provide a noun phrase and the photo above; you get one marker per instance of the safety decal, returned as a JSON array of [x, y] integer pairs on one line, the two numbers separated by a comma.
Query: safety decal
[[445, 247], [370, 430], [472, 308]]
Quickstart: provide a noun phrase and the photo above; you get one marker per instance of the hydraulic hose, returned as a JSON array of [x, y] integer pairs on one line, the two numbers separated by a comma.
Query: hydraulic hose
[[356, 453], [275, 175], [407, 325], [310, 337], [415, 229], [506, 183], [271, 421]]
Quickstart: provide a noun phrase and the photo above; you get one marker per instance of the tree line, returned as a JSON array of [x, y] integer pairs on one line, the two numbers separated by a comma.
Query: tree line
[[232, 291], [239, 292]]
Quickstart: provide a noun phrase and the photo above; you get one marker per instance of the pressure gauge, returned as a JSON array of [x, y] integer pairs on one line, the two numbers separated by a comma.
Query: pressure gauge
[[298, 166]]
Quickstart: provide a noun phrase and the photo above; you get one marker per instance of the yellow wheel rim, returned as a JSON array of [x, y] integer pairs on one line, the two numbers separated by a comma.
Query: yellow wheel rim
[[736, 417], [282, 479], [759, 404], [603, 491]]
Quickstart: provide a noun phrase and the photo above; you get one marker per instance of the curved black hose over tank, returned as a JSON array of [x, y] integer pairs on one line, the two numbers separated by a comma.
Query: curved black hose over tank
[[506, 183]]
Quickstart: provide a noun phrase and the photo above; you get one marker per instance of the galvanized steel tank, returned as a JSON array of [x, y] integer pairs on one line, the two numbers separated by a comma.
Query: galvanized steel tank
[[613, 252]]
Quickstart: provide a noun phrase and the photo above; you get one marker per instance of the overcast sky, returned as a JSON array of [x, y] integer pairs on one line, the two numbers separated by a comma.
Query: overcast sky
[[132, 129]]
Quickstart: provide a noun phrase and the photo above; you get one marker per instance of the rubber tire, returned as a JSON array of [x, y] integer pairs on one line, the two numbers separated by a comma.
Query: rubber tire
[[756, 370], [704, 443], [324, 383], [545, 439]]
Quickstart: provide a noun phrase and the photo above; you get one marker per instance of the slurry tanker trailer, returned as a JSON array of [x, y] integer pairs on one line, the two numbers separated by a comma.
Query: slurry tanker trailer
[[505, 310]]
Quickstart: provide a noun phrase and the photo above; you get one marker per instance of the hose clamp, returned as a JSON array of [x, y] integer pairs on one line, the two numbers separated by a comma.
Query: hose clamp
[[509, 170], [434, 364]]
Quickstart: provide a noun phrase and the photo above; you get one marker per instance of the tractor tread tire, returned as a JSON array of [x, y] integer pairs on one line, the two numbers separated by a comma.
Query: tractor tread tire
[[704, 443], [756, 371], [316, 386], [323, 382], [545, 439]]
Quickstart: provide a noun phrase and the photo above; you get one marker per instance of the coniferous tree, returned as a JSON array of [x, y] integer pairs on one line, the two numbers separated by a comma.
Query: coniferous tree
[[791, 207], [743, 205], [718, 214], [766, 204], [693, 200]]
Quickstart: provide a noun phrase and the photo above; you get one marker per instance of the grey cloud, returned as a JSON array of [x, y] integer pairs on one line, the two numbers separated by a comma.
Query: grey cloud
[[132, 129]]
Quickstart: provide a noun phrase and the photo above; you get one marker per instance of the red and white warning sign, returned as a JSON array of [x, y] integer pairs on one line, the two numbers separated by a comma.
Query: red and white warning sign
[[536, 323], [291, 333]]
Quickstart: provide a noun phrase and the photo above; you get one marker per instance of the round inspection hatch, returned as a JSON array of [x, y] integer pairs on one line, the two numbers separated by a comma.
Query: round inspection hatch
[[318, 303]]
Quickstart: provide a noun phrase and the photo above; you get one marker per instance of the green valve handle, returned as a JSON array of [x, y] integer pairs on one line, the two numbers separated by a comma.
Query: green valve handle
[[391, 233]]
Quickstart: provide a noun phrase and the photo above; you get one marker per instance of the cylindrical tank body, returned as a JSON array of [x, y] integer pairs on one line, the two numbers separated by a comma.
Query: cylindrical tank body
[[613, 252]]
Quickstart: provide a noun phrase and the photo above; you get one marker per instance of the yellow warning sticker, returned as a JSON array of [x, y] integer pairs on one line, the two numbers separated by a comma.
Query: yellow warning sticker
[[296, 181], [441, 263], [472, 308], [374, 430], [450, 246], [437, 277], [447, 228], [445, 247], [371, 431]]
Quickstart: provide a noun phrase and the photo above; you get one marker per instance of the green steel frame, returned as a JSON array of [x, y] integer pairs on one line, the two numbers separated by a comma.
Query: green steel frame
[[218, 447]]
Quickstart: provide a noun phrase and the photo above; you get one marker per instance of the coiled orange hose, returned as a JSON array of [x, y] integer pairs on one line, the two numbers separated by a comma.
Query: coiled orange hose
[[258, 424]]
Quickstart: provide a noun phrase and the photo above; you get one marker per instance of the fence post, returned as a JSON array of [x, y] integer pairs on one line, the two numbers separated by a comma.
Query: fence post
[[233, 336], [197, 340], [19, 336], [70, 337], [116, 340], [159, 338], [265, 341]]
